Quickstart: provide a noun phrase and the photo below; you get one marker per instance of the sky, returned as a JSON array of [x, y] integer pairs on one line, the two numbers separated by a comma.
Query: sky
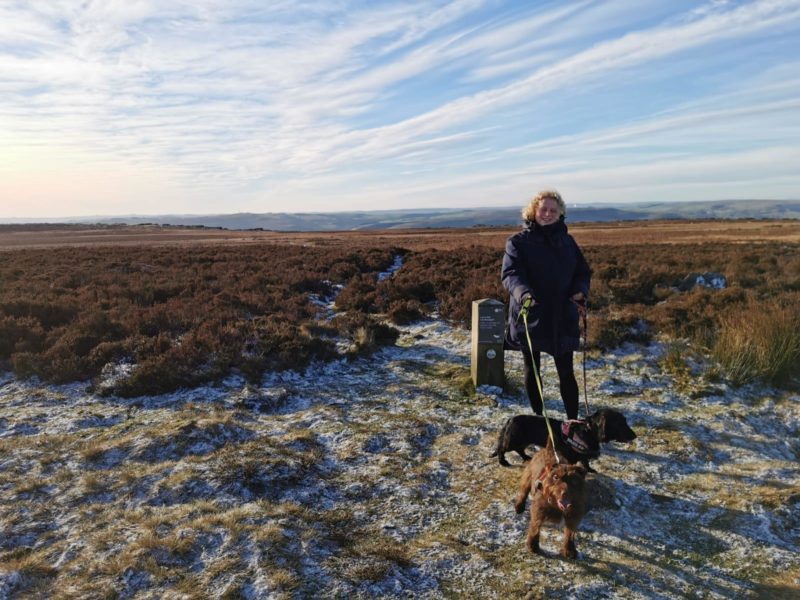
[[153, 107]]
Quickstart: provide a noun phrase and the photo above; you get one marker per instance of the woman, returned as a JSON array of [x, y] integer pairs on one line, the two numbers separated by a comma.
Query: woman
[[545, 267]]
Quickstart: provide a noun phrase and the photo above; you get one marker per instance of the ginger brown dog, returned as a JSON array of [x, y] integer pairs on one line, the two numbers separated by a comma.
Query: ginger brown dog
[[560, 492]]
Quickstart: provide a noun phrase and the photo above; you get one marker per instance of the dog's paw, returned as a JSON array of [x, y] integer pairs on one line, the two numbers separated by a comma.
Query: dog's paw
[[570, 554]]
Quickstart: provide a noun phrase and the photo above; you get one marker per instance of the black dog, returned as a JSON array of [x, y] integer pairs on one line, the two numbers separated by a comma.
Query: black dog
[[575, 440]]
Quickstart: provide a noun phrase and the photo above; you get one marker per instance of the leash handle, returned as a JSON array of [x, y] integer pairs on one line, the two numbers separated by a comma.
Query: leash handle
[[523, 311]]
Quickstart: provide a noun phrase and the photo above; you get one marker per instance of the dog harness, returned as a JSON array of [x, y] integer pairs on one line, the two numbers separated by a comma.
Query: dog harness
[[572, 437], [539, 484]]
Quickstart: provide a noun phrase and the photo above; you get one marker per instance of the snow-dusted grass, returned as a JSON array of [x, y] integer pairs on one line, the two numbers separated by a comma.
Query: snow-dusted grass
[[372, 479]]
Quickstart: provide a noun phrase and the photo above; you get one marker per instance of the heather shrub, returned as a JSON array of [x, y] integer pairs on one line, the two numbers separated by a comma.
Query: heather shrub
[[451, 278], [342, 271], [359, 294], [457, 303], [285, 347], [684, 314], [170, 317], [406, 286], [20, 334], [26, 364], [106, 352], [403, 312], [49, 314], [57, 364], [311, 285], [188, 362], [364, 332], [609, 330], [183, 315], [639, 287], [156, 375], [143, 347]]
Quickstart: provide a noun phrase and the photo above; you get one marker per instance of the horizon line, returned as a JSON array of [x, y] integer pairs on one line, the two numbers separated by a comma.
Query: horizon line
[[26, 219]]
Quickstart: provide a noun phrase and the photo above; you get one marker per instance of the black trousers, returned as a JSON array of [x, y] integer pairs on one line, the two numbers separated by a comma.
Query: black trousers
[[566, 381]]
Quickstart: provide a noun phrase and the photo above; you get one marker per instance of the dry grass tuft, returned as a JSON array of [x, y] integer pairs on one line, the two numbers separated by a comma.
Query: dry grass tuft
[[761, 342], [285, 580], [35, 574]]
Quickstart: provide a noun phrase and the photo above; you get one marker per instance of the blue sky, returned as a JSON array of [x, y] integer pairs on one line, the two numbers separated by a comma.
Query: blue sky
[[221, 106]]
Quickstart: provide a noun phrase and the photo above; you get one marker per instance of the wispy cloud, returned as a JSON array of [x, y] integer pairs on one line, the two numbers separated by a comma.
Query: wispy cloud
[[331, 105]]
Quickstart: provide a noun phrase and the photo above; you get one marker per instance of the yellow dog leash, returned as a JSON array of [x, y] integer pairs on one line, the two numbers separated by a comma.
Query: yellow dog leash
[[524, 312]]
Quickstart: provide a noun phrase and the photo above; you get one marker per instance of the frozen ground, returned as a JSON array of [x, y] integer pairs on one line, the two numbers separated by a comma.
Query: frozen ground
[[372, 479]]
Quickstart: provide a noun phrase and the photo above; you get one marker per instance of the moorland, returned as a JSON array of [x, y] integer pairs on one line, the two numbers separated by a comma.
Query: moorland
[[194, 413], [188, 306]]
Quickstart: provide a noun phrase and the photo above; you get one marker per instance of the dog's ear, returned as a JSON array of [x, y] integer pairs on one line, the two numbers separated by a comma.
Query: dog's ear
[[600, 426]]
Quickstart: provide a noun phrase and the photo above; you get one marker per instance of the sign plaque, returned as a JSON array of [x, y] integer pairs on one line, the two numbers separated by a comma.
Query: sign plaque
[[488, 328]]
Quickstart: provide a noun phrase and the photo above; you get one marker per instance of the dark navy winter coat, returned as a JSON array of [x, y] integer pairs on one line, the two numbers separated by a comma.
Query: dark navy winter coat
[[545, 262]]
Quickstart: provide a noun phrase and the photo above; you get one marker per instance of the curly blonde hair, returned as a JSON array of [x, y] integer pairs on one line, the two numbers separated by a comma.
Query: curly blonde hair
[[529, 212]]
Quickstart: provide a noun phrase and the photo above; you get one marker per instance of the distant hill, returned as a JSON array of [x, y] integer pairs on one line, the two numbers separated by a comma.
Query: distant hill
[[466, 217]]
